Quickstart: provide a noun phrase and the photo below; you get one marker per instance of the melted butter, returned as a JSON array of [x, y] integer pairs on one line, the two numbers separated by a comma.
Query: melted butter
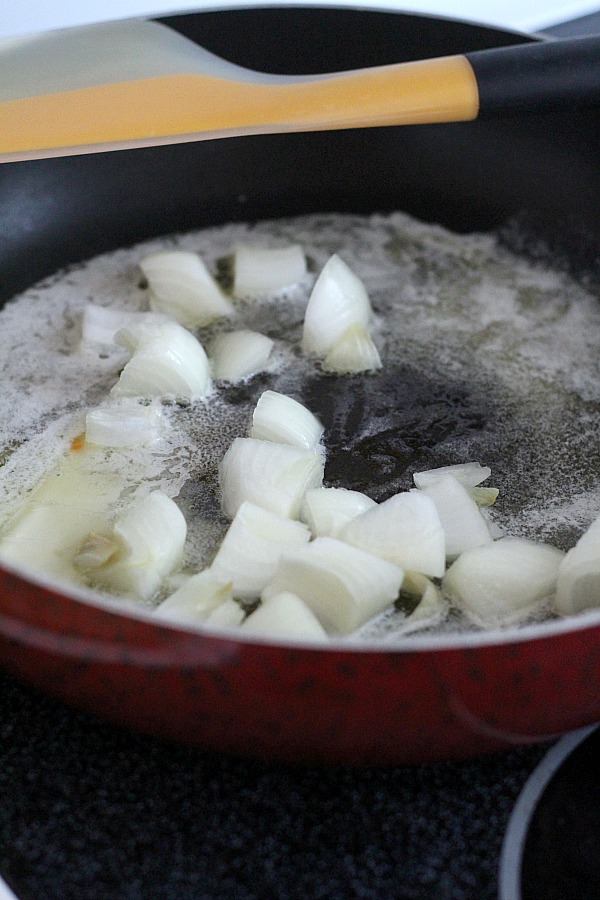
[[486, 356]]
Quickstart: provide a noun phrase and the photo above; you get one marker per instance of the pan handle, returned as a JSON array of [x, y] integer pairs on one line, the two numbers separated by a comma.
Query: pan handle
[[539, 75]]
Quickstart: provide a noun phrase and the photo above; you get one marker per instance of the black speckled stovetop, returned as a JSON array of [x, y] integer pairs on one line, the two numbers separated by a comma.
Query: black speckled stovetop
[[91, 812]]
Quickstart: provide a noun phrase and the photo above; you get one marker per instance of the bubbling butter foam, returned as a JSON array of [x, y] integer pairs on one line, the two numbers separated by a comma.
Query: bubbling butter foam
[[486, 356]]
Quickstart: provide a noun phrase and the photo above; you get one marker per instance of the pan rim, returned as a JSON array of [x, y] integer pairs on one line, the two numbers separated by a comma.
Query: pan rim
[[585, 621]]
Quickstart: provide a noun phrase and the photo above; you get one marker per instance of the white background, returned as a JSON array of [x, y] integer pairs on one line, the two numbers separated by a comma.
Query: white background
[[25, 16]]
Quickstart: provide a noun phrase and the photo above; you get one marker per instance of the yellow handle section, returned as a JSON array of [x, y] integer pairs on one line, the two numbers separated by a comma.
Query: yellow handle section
[[171, 108]]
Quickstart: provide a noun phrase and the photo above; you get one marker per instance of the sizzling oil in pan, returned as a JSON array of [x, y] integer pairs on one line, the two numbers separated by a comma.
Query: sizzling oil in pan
[[486, 356]]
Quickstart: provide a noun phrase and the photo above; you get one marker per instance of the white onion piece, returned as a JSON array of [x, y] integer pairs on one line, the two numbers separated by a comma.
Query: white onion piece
[[468, 474], [124, 424], [182, 287], [344, 586], [239, 354], [146, 331], [69, 503], [100, 324], [590, 539], [354, 351], [484, 496], [338, 300], [150, 537], [259, 272], [96, 551], [195, 599], [431, 608], [415, 584], [228, 615], [327, 511], [462, 521], [167, 361], [496, 532], [274, 476], [285, 615], [578, 586], [252, 547], [405, 530], [284, 420], [503, 582]]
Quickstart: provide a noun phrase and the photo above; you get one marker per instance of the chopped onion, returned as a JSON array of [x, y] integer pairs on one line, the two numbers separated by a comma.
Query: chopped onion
[[69, 503], [228, 615], [252, 547], [417, 585], [259, 272], [96, 551], [147, 330], [195, 599], [354, 351], [503, 582], [484, 496], [405, 530], [338, 300], [167, 361], [344, 586], [469, 474], [100, 324], [578, 586], [239, 354], [124, 424], [150, 537], [496, 532], [282, 419], [274, 476], [182, 287], [327, 511], [462, 521], [285, 615], [431, 608]]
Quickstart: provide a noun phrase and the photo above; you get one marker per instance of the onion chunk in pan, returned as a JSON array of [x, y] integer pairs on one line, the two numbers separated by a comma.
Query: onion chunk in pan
[[263, 271], [148, 541], [124, 424], [237, 355], [285, 615], [328, 510], [344, 586], [354, 351], [252, 547], [405, 530], [578, 586], [100, 324], [431, 608], [282, 419], [504, 582], [469, 474], [338, 301], [276, 476], [196, 599], [167, 361], [182, 287], [462, 521]]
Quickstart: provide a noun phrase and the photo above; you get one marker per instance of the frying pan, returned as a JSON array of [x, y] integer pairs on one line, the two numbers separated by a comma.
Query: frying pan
[[429, 698]]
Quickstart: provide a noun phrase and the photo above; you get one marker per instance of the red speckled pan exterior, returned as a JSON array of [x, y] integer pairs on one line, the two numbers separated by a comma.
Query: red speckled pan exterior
[[425, 700], [299, 704]]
